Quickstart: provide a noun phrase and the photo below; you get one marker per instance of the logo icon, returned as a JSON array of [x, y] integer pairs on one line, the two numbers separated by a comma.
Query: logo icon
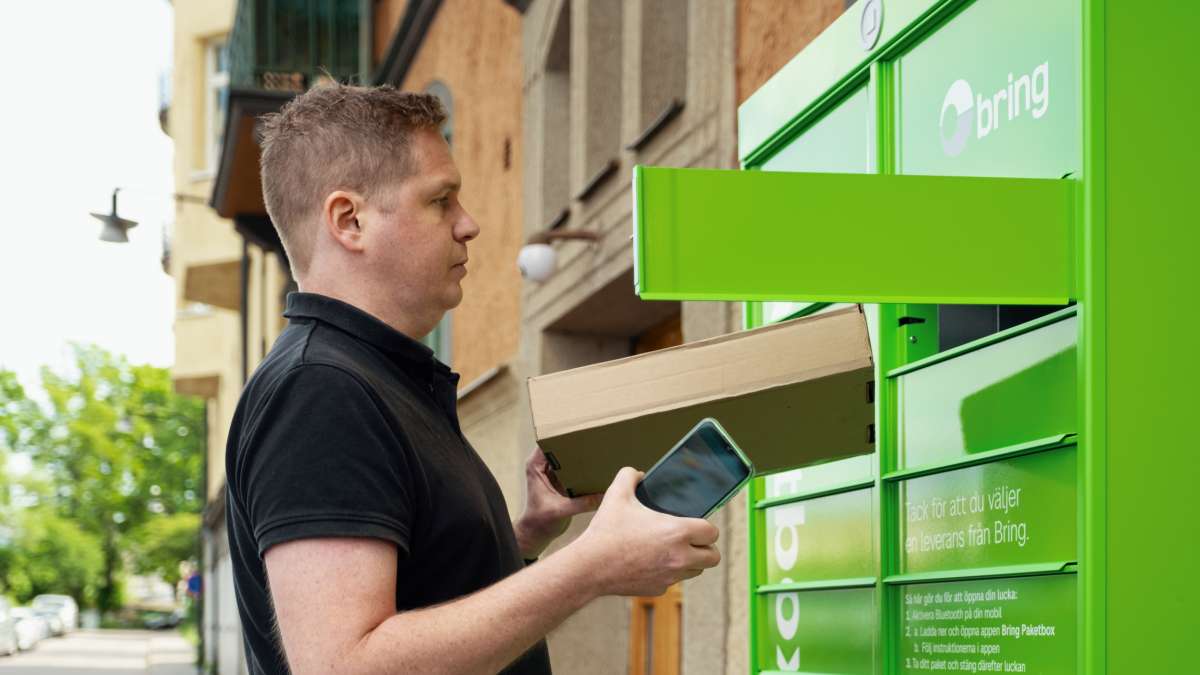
[[1027, 94], [956, 120], [870, 22]]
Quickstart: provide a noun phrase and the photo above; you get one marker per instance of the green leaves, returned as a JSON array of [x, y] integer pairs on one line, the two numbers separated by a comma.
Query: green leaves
[[51, 554], [118, 456], [161, 543]]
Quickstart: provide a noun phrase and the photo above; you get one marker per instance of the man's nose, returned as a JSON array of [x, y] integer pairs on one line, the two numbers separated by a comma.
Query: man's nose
[[466, 229]]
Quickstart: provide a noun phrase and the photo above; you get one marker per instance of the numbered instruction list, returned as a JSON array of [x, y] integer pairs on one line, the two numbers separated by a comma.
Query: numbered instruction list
[[1021, 625]]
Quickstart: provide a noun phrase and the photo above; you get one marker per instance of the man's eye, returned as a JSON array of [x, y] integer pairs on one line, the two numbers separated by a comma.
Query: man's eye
[[442, 201]]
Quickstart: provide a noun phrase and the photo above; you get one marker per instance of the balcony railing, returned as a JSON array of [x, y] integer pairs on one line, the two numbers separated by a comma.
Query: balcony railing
[[289, 45]]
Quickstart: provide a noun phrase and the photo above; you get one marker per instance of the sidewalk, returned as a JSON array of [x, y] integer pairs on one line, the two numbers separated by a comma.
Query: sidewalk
[[170, 654]]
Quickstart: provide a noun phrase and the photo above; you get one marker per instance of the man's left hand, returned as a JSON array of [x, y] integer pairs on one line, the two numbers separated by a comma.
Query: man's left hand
[[548, 511]]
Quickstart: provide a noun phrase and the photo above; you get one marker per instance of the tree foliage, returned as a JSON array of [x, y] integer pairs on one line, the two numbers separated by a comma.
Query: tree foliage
[[118, 449], [161, 543], [51, 554]]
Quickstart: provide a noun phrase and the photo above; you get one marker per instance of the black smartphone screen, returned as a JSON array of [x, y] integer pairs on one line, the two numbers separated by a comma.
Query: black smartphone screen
[[695, 477]]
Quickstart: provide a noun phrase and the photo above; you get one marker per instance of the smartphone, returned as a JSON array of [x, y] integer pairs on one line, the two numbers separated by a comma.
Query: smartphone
[[698, 475]]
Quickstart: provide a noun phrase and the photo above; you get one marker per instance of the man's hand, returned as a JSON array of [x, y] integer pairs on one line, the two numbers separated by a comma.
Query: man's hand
[[548, 511], [633, 550]]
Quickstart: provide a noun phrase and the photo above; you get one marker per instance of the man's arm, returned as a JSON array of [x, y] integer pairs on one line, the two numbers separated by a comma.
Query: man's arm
[[335, 598]]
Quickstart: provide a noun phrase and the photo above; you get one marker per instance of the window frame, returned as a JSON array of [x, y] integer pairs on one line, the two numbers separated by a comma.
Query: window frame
[[214, 81]]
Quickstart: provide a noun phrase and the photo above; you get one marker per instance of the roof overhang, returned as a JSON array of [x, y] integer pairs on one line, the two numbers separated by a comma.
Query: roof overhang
[[237, 188]]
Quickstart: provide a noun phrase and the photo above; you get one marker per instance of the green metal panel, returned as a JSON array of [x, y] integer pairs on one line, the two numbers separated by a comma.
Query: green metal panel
[[1023, 625], [970, 102], [824, 631], [875, 238], [754, 540], [1091, 249], [819, 539], [817, 479], [833, 61], [1016, 511], [1005, 392], [923, 52], [1148, 202], [839, 141]]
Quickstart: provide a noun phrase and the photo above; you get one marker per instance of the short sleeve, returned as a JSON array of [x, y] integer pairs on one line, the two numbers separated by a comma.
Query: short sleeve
[[322, 461]]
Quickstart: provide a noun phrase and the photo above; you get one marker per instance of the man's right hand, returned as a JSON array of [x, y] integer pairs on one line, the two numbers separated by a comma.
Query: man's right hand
[[633, 550]]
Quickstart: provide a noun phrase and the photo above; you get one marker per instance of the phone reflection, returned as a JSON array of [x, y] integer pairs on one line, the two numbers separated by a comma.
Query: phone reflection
[[695, 477]]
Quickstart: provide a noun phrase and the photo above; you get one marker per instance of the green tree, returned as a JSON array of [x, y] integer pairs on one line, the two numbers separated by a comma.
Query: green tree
[[117, 445], [161, 543], [51, 554]]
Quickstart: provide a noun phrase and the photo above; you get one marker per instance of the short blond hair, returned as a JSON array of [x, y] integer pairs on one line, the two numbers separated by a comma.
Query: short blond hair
[[335, 137]]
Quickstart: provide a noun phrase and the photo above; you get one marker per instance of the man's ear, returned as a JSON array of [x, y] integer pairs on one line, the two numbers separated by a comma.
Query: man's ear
[[339, 216]]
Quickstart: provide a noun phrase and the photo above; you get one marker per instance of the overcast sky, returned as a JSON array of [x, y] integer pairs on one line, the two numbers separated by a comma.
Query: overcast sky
[[78, 116]]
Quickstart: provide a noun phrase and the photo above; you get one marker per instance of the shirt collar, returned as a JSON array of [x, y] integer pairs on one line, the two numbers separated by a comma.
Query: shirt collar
[[366, 327]]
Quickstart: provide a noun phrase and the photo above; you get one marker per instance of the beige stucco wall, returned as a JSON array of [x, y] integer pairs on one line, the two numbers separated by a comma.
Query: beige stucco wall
[[560, 326], [206, 338]]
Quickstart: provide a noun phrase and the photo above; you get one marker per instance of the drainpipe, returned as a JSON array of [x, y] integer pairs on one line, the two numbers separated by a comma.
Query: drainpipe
[[245, 310]]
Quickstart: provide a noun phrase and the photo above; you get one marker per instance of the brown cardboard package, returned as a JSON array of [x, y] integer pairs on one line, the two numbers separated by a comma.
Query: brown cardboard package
[[790, 394]]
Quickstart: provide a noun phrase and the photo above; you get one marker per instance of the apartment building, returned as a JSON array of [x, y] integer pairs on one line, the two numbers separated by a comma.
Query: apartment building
[[551, 103]]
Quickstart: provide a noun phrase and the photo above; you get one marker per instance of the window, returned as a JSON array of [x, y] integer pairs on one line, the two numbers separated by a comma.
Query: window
[[663, 68], [216, 99], [442, 92], [599, 29]]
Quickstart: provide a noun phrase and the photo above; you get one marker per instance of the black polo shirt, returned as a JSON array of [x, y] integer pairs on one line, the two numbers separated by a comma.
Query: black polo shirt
[[349, 428]]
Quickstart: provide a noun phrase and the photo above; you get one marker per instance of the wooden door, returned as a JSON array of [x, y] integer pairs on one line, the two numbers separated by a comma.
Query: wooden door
[[656, 634]]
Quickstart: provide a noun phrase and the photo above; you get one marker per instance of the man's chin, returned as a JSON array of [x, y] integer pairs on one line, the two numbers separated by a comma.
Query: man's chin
[[453, 298]]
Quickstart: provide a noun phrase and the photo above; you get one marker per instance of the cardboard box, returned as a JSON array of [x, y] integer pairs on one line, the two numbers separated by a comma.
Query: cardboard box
[[790, 394]]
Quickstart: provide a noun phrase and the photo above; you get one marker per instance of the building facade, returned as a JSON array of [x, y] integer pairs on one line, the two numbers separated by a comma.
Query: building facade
[[551, 104], [231, 272], [608, 85], [225, 292]]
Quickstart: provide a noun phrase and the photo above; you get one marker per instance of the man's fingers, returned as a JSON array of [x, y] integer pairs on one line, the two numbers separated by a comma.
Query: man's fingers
[[704, 557], [709, 556], [700, 532], [537, 459], [625, 482], [583, 504]]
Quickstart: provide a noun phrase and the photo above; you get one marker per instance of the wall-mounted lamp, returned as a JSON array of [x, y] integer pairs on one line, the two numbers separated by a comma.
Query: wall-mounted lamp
[[116, 229], [538, 260]]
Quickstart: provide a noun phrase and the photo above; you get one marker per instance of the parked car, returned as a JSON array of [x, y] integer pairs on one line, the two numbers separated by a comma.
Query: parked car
[[8, 629], [162, 620], [52, 619], [31, 628], [64, 606]]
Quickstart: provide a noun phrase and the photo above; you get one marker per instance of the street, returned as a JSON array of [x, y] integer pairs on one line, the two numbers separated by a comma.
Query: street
[[111, 652]]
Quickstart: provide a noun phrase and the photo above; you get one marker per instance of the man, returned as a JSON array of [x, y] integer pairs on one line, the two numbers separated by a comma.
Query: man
[[365, 533]]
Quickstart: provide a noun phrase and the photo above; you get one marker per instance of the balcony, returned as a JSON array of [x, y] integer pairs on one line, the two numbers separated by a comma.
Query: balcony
[[289, 45], [277, 49]]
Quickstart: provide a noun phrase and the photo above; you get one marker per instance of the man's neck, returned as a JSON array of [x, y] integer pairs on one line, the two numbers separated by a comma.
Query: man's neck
[[407, 322]]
